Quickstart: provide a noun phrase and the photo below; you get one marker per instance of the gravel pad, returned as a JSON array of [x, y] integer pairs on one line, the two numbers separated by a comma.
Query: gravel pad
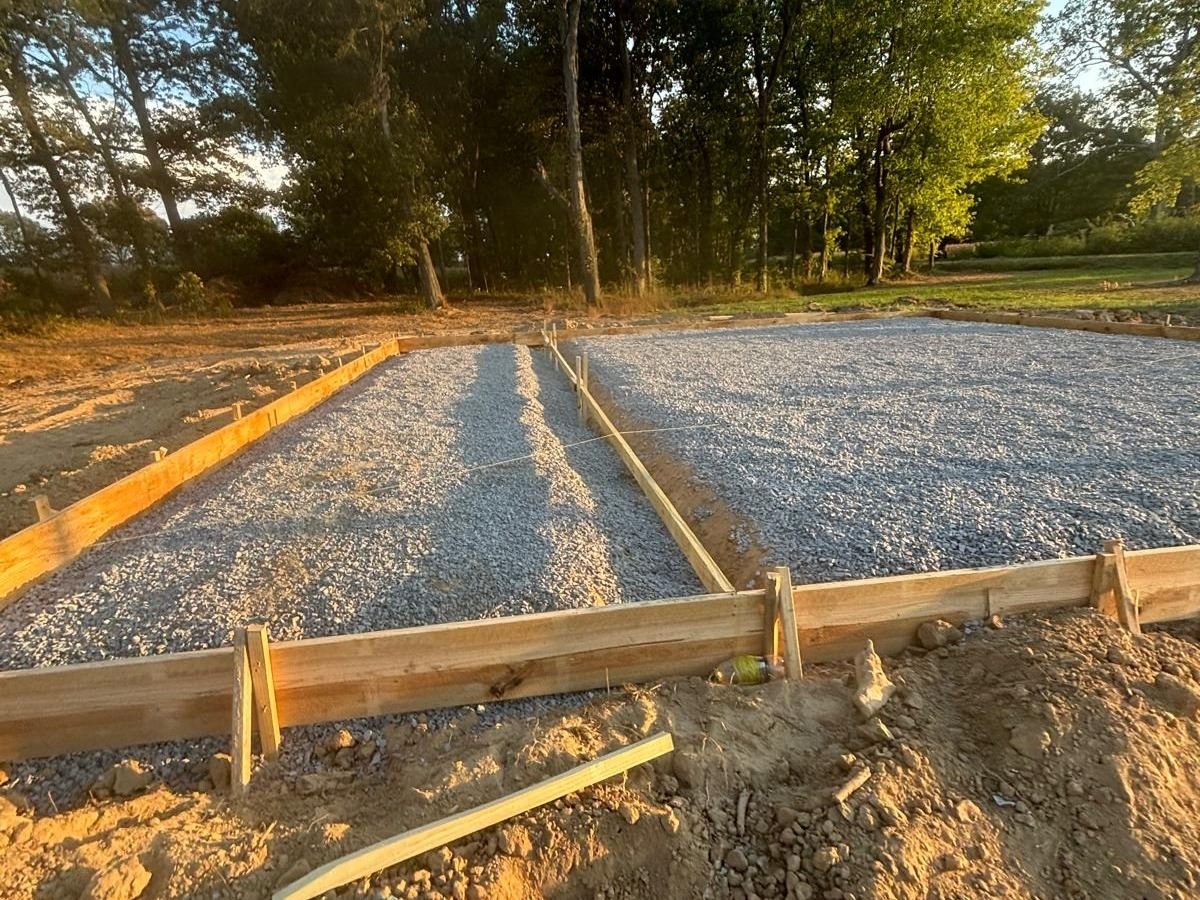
[[442, 486], [875, 448]]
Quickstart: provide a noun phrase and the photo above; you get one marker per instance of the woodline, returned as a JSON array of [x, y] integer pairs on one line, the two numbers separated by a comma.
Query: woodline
[[1139, 329]]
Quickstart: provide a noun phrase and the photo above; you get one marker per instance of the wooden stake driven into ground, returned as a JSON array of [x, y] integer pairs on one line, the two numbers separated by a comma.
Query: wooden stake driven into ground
[[1111, 593], [243, 716], [41, 503], [263, 682], [395, 850], [779, 582]]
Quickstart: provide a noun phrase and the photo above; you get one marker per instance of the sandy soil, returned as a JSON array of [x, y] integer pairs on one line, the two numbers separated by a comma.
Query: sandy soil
[[1045, 758]]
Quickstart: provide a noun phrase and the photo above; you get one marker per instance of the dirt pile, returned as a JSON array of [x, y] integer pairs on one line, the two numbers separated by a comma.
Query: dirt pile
[[1048, 757]]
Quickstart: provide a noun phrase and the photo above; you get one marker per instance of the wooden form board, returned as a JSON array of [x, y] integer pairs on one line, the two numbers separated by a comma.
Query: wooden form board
[[1141, 329], [701, 560], [395, 850], [40, 549], [51, 711]]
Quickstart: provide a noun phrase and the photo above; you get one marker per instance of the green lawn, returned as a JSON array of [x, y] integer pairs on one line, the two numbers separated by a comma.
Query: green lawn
[[1146, 282]]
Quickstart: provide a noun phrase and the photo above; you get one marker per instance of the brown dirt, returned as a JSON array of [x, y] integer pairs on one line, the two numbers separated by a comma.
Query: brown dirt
[[1102, 800]]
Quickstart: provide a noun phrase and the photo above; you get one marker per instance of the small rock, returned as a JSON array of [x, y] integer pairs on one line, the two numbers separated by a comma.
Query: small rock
[[994, 621], [670, 822], [736, 860], [629, 813], [786, 815], [966, 811], [877, 732], [340, 740], [951, 862], [1030, 739], [688, 768], [826, 858], [934, 635], [515, 841], [1119, 655], [123, 880], [220, 771], [129, 777], [874, 687]]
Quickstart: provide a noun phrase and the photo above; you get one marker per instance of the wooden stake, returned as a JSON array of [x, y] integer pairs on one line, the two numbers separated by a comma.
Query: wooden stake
[[263, 681], [243, 710], [395, 850], [292, 385], [237, 410], [580, 389], [793, 664], [42, 504], [159, 454], [1111, 593], [772, 632]]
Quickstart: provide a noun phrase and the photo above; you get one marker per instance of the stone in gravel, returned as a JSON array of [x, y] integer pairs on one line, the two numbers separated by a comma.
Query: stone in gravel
[[1177, 695], [125, 879], [995, 621], [736, 860], [629, 812], [825, 859], [874, 687], [967, 811], [1031, 739], [937, 634], [220, 769], [340, 740], [516, 841], [129, 777], [786, 815], [670, 822], [1120, 656]]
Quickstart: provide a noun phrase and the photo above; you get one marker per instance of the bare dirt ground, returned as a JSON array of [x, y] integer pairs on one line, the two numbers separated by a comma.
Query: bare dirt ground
[[1049, 757]]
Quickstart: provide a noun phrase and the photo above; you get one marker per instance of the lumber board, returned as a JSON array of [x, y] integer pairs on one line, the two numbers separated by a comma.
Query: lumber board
[[1139, 329], [46, 546], [701, 560], [835, 618], [793, 661], [394, 850], [119, 703], [1166, 581], [241, 715], [262, 678]]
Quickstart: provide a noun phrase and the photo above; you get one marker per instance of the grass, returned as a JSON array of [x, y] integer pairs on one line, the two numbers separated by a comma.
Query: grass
[[1143, 283]]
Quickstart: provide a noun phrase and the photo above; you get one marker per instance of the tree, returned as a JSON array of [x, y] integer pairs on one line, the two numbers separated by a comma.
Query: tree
[[581, 217], [14, 77]]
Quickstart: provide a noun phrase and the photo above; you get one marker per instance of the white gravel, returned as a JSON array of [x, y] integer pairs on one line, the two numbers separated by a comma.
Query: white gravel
[[383, 508], [873, 448]]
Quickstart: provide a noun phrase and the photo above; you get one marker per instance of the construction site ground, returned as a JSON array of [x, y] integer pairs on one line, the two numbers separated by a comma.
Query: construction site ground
[[1047, 757]]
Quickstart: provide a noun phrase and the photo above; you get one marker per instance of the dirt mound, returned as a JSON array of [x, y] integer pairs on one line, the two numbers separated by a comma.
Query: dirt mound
[[1050, 757]]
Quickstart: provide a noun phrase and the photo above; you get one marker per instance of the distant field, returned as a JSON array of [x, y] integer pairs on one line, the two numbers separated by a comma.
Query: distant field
[[1146, 282]]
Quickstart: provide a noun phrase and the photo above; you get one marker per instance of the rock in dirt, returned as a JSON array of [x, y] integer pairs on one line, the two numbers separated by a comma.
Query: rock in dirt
[[629, 813], [934, 635], [1030, 739], [874, 687], [736, 860], [127, 778], [515, 841], [220, 771], [1177, 695], [123, 880], [877, 732], [688, 769]]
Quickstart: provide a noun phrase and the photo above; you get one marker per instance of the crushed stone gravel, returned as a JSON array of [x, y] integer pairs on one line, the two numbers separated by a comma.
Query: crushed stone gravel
[[445, 485], [874, 448], [441, 487]]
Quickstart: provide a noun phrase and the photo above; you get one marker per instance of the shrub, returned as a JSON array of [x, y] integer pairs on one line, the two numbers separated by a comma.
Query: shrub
[[1165, 235]]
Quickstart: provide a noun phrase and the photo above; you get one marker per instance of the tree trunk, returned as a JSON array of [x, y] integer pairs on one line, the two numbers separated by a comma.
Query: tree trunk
[[17, 84], [633, 176], [824, 269], [906, 249], [23, 228], [158, 168], [760, 267], [576, 190], [879, 213], [431, 289], [135, 226], [933, 253]]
